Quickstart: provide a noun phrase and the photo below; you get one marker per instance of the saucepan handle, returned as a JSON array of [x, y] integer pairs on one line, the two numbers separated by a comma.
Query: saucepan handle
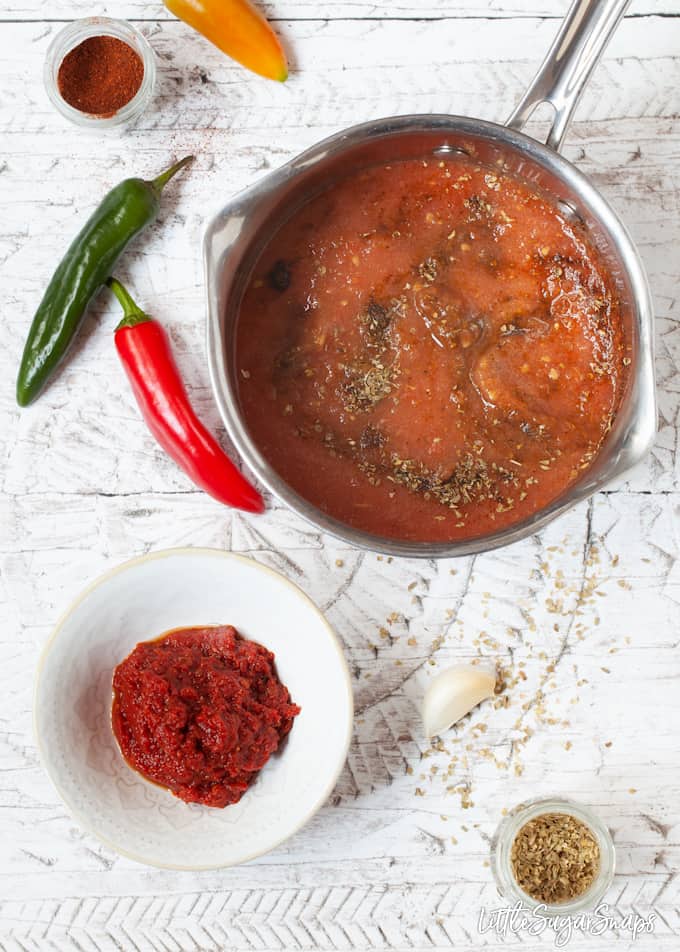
[[573, 56]]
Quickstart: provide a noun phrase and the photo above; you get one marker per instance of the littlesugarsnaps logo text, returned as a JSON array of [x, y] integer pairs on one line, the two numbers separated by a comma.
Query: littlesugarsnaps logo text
[[513, 920]]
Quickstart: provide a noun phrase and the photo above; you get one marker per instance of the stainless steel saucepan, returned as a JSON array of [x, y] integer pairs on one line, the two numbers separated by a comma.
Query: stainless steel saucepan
[[239, 232]]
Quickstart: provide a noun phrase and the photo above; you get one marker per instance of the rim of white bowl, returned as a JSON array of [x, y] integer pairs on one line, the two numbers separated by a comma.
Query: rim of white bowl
[[163, 554]]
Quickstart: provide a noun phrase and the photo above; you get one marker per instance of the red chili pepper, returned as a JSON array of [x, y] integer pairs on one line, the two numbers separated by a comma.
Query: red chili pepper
[[144, 350]]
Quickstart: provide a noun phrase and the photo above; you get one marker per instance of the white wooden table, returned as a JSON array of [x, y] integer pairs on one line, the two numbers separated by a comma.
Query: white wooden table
[[584, 616]]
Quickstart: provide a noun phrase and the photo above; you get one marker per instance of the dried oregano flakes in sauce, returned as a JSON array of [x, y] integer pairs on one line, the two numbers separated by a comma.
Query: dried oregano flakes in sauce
[[429, 350]]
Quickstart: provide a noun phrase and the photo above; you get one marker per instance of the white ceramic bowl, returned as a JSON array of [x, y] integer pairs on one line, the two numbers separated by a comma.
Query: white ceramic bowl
[[140, 600]]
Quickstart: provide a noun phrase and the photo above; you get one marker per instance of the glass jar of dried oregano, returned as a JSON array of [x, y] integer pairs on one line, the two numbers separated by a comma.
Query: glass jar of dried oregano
[[555, 854]]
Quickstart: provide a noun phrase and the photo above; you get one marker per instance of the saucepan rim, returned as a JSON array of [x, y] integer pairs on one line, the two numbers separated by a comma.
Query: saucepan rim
[[639, 426]]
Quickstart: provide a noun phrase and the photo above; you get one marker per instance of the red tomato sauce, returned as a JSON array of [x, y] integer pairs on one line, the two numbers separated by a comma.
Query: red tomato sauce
[[430, 350], [200, 711]]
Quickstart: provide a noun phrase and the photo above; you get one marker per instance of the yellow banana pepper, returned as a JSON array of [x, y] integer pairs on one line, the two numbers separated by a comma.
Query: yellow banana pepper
[[239, 30]]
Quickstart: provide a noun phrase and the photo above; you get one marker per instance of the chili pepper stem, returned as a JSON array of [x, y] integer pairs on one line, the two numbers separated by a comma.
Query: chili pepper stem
[[132, 313], [162, 180]]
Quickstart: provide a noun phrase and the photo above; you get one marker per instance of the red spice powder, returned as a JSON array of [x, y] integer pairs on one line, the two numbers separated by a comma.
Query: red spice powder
[[100, 75]]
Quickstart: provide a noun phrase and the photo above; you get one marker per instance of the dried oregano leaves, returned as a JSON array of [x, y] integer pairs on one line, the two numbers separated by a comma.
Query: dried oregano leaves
[[555, 858]]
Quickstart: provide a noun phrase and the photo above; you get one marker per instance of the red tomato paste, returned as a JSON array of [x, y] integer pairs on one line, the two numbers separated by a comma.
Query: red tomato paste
[[430, 350], [200, 711]]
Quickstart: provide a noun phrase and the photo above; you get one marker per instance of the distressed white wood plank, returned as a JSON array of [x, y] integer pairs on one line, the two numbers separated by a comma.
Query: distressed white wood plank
[[282, 10], [349, 70]]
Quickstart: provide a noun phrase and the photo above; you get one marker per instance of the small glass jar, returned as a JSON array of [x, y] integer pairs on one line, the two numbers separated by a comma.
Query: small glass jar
[[501, 849], [72, 36]]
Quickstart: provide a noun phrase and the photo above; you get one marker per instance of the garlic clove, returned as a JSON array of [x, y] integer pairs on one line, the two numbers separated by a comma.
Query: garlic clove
[[453, 694]]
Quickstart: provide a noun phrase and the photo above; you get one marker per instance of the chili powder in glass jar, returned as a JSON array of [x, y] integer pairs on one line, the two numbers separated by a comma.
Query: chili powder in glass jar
[[100, 75]]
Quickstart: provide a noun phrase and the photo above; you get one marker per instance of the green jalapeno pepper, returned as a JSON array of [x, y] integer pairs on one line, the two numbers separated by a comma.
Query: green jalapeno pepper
[[123, 213]]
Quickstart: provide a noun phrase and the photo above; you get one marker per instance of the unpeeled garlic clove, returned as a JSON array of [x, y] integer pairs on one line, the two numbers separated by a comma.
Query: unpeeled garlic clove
[[453, 694]]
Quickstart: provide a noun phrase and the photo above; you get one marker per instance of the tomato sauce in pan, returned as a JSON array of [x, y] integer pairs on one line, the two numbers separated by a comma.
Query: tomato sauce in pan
[[430, 350]]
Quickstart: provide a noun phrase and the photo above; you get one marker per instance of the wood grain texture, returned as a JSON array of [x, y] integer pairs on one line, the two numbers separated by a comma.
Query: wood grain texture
[[284, 10], [583, 617]]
